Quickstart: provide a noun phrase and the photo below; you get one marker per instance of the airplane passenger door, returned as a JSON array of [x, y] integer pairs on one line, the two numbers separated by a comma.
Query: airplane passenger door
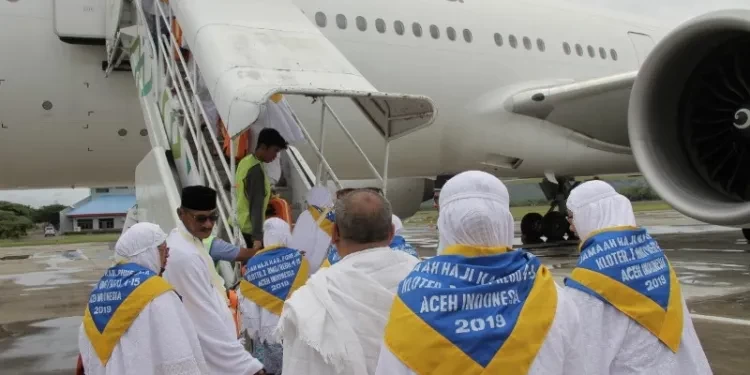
[[642, 43]]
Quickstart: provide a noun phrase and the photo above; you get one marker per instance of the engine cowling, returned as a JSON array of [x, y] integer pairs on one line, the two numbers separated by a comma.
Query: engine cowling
[[689, 118]]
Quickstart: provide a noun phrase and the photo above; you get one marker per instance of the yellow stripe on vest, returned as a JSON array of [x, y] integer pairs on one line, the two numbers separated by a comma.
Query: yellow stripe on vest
[[104, 343], [433, 354], [326, 263], [320, 218], [267, 300], [666, 325]]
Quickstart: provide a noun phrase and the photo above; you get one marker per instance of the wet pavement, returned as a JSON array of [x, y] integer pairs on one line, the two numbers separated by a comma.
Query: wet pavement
[[43, 291]]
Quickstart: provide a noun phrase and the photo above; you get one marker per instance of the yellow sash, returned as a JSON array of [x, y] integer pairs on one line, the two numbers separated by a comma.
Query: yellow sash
[[267, 282], [488, 313], [216, 280], [626, 268], [104, 343], [322, 219]]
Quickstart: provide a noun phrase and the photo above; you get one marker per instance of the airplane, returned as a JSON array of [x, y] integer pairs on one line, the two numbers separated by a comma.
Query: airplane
[[521, 89]]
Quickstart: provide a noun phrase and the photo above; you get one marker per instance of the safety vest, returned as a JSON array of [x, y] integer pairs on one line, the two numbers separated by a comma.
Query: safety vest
[[243, 204]]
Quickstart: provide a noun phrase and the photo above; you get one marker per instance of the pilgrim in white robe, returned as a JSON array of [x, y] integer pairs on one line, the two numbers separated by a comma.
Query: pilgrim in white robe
[[616, 344], [475, 217], [161, 340], [334, 324], [312, 231], [258, 321], [191, 271]]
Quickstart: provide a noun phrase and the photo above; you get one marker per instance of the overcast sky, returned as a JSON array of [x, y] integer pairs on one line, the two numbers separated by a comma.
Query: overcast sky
[[673, 11]]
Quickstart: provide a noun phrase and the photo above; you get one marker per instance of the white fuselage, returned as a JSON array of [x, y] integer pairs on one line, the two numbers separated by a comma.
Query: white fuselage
[[92, 134]]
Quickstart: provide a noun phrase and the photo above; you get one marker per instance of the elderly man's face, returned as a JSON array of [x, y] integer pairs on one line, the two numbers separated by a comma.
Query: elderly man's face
[[199, 223], [163, 254]]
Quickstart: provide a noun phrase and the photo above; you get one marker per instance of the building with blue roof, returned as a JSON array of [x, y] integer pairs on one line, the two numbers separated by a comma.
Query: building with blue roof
[[104, 210]]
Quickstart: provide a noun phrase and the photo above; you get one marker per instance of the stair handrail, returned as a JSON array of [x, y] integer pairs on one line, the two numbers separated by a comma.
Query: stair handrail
[[208, 170], [207, 167], [193, 86]]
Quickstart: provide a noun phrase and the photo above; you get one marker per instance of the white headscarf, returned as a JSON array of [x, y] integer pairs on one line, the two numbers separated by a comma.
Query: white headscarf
[[596, 205], [397, 225], [319, 196], [276, 232], [475, 210], [139, 245]]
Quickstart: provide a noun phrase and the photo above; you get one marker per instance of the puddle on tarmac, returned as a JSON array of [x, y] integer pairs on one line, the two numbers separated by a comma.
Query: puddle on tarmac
[[55, 273], [43, 347]]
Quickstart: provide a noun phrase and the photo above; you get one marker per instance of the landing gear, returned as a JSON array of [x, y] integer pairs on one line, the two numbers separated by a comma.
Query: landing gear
[[531, 228], [554, 224]]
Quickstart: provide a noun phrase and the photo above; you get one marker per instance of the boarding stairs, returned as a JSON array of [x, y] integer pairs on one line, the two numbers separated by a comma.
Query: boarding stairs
[[186, 148]]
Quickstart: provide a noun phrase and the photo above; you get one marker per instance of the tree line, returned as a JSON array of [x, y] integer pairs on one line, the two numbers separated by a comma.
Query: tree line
[[17, 219]]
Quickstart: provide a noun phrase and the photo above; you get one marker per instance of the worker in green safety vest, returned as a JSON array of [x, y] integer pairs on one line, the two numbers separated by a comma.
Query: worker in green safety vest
[[254, 188]]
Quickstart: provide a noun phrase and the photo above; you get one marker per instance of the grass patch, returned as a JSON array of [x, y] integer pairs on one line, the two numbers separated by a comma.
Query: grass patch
[[611, 177], [428, 217], [60, 240]]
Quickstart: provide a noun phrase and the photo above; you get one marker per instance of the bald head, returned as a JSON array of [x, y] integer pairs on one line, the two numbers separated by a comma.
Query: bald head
[[364, 217]]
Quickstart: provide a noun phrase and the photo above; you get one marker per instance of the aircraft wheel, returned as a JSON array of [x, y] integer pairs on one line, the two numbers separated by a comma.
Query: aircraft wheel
[[531, 228], [555, 226], [746, 233]]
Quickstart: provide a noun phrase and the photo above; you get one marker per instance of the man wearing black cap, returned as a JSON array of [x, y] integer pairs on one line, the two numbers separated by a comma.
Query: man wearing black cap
[[192, 273]]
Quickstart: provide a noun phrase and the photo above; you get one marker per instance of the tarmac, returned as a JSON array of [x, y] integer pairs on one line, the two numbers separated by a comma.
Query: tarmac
[[44, 289]]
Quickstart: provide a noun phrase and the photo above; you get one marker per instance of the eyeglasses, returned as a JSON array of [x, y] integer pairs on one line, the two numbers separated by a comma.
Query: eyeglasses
[[204, 218]]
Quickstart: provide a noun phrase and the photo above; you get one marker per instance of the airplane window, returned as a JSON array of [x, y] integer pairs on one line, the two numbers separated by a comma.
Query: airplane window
[[321, 19], [540, 45], [498, 39], [512, 40], [566, 48], [341, 21], [602, 53], [527, 42], [467, 35], [591, 51], [579, 50], [613, 53], [451, 33], [361, 23], [434, 31], [399, 27], [416, 29], [380, 25]]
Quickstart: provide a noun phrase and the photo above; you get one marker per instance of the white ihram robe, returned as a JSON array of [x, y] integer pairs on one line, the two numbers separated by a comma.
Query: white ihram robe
[[334, 324], [162, 329], [189, 270], [614, 343]]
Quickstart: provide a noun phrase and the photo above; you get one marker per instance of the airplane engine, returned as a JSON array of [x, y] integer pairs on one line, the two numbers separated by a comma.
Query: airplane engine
[[689, 118], [405, 194]]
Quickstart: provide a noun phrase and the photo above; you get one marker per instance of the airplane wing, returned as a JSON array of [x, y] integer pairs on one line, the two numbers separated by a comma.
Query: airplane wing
[[596, 110]]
